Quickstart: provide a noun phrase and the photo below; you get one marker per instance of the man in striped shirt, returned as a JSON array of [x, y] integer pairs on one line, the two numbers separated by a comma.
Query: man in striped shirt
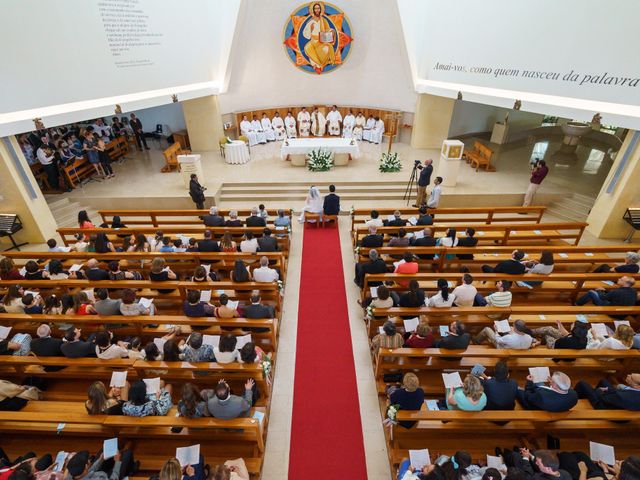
[[501, 298]]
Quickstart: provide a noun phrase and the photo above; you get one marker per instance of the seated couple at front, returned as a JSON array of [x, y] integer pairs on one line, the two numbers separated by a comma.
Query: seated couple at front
[[316, 204]]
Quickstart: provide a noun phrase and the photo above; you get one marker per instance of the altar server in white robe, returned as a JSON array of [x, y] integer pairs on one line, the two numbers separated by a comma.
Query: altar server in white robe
[[290, 125], [359, 127], [377, 131], [304, 122], [348, 124], [368, 128], [268, 128], [313, 204], [318, 123], [334, 118], [278, 127], [247, 131], [256, 126]]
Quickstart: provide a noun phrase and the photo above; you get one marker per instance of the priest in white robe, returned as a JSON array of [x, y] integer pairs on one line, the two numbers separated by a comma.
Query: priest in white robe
[[359, 126], [267, 128], [368, 128], [290, 125], [334, 118], [247, 131], [377, 131], [256, 126], [304, 122], [347, 124], [278, 127], [318, 123]]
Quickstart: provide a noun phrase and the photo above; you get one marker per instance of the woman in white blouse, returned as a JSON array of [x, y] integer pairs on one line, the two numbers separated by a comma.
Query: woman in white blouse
[[443, 298], [450, 240], [544, 266], [622, 339]]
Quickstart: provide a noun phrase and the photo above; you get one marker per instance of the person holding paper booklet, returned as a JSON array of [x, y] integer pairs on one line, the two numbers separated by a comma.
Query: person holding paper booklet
[[107, 350], [470, 397], [200, 275], [442, 299], [399, 241], [82, 467], [607, 396], [456, 339], [12, 300], [559, 337], [196, 351], [231, 470], [74, 347], [160, 272], [381, 299], [409, 396], [504, 336], [622, 339], [444, 468], [390, 338], [101, 402], [407, 266], [557, 397], [372, 240], [422, 337], [144, 402], [501, 391], [225, 310], [395, 220], [129, 306], [226, 351], [34, 272], [194, 307], [256, 309], [414, 298]]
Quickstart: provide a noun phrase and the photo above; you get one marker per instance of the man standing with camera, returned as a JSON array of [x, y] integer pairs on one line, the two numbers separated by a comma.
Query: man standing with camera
[[423, 180], [538, 173]]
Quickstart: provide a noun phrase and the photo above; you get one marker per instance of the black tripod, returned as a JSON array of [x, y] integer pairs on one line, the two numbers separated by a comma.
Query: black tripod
[[408, 193]]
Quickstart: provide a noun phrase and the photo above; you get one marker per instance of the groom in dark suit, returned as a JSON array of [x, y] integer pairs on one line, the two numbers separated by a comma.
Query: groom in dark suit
[[331, 204]]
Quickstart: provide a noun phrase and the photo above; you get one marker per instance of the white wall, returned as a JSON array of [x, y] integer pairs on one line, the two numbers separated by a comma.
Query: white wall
[[376, 74], [470, 117], [170, 115]]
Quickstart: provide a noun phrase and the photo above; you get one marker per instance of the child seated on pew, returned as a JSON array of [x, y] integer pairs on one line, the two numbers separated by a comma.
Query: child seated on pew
[[141, 404], [32, 305]]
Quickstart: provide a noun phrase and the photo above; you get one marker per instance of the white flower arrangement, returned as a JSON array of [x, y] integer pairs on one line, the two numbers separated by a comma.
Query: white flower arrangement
[[319, 160], [369, 311], [280, 286], [266, 367], [356, 250], [352, 210], [389, 162], [392, 412]]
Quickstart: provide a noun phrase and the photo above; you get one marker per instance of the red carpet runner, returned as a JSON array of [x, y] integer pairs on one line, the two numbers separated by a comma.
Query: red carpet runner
[[326, 434]]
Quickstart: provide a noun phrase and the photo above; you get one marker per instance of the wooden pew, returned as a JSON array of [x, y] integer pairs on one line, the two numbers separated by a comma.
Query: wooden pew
[[504, 234], [43, 417], [77, 170], [117, 148], [437, 359], [480, 156], [171, 157], [68, 234], [183, 263], [158, 218], [142, 325], [569, 256], [571, 284], [470, 215]]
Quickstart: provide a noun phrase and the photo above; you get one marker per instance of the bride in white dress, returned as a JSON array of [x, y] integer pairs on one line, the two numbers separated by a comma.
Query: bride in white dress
[[313, 204]]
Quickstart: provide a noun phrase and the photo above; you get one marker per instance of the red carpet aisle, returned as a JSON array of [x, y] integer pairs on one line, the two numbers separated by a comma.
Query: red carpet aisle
[[326, 433]]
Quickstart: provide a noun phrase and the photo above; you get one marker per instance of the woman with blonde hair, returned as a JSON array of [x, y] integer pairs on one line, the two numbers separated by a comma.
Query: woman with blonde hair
[[160, 272], [422, 337], [409, 396], [622, 339], [171, 470], [101, 402], [470, 397]]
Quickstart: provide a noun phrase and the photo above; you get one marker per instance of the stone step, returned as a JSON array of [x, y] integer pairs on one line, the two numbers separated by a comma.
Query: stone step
[[262, 197], [303, 190], [307, 183], [56, 203]]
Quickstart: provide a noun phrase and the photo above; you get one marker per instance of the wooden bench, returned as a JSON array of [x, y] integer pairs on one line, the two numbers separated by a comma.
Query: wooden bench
[[118, 148], [171, 157], [68, 234], [77, 170], [569, 257], [470, 215], [158, 218], [554, 283], [504, 234], [480, 156]]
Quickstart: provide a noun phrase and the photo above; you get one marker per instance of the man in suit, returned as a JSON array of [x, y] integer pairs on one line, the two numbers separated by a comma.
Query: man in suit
[[208, 244], [257, 310], [373, 240], [94, 272], [105, 305], [468, 241], [426, 240], [331, 204], [255, 220], [510, 267], [396, 222], [423, 181], [374, 265], [557, 397], [605, 395], [213, 219], [136, 125], [222, 404], [74, 347], [500, 390], [267, 243], [424, 218], [45, 345], [233, 220]]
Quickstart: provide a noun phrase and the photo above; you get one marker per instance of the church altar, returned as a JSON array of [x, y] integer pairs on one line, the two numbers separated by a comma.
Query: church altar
[[296, 149]]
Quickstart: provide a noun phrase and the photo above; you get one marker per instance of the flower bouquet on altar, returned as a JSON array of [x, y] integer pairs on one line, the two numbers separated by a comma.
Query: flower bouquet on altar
[[389, 162], [319, 160]]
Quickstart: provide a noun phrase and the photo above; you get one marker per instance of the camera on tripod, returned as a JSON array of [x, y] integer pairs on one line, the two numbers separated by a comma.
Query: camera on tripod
[[417, 164]]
